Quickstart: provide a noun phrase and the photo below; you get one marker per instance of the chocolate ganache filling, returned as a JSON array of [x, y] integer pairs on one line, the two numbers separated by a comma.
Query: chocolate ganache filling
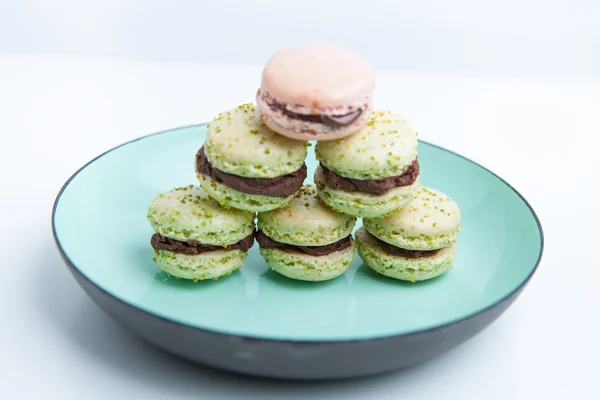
[[373, 186], [397, 251], [329, 120], [281, 186], [193, 247], [267, 243]]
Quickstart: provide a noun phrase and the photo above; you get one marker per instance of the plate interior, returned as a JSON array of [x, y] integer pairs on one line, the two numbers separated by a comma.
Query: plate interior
[[100, 223]]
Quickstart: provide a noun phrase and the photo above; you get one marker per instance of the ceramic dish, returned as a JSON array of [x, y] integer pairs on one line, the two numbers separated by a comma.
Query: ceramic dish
[[258, 322]]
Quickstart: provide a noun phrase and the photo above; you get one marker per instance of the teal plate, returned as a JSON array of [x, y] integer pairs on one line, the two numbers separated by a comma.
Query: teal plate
[[258, 322]]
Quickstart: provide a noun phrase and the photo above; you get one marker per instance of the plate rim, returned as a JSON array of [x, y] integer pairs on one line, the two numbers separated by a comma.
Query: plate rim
[[431, 329]]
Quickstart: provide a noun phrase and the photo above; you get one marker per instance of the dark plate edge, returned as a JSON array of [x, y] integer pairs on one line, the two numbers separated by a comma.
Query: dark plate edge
[[74, 268]]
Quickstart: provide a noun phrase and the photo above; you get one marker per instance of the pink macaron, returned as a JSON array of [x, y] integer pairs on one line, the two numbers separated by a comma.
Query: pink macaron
[[316, 92]]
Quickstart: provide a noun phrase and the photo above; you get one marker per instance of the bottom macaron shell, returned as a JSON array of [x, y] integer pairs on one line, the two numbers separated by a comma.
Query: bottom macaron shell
[[242, 201], [209, 265], [364, 204], [301, 130], [305, 267], [403, 268]]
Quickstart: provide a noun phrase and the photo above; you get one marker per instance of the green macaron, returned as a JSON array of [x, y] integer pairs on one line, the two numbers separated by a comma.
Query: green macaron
[[245, 165], [415, 243], [306, 240], [373, 172], [195, 237]]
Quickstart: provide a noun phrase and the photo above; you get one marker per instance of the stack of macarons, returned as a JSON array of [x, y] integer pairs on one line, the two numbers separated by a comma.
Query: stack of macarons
[[252, 166]]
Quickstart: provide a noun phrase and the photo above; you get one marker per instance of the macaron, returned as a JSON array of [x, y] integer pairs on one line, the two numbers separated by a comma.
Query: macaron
[[306, 240], [245, 165], [195, 238], [415, 243], [373, 172], [316, 92]]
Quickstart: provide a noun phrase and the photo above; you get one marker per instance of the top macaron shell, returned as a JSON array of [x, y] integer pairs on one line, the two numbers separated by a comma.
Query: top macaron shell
[[188, 213], [431, 221], [316, 76], [306, 221], [238, 142], [385, 147]]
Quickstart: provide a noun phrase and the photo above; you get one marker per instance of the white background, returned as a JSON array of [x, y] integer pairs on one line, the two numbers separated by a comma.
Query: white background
[[534, 37], [513, 85]]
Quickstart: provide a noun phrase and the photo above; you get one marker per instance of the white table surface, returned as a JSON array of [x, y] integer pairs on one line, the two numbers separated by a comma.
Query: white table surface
[[540, 134]]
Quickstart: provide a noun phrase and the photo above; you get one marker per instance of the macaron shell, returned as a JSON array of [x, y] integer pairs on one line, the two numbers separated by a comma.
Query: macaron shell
[[305, 130], [305, 267], [365, 204], [306, 221], [431, 221], [385, 147], [318, 75], [239, 142], [209, 265], [189, 213], [403, 268], [233, 199]]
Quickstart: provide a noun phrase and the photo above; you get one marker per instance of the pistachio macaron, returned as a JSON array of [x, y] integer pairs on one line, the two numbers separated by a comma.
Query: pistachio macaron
[[373, 172], [306, 240], [415, 243], [245, 165], [195, 237]]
